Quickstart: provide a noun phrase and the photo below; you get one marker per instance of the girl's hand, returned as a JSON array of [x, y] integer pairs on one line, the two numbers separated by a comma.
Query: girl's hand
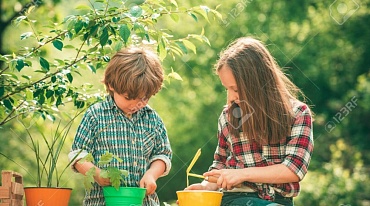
[[227, 178], [148, 182]]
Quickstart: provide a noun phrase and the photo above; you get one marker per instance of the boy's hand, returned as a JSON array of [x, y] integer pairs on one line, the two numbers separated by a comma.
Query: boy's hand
[[148, 182], [156, 169], [84, 167], [100, 180]]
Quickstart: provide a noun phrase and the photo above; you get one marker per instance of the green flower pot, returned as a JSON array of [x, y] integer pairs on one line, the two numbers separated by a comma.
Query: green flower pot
[[125, 196]]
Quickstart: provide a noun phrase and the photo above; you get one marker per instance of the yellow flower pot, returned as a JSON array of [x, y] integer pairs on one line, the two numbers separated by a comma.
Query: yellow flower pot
[[199, 198]]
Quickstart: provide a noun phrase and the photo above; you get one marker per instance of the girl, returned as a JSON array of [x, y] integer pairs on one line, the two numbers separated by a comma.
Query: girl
[[265, 138]]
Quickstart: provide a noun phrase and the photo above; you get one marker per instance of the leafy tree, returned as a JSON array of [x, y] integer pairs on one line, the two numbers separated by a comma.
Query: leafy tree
[[43, 77], [91, 38], [327, 60], [322, 47]]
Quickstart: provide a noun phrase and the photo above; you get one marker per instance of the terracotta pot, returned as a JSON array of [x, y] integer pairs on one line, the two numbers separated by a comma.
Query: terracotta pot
[[47, 196]]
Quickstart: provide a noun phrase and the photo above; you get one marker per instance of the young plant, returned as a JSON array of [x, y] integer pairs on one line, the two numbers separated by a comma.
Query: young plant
[[46, 150], [115, 175]]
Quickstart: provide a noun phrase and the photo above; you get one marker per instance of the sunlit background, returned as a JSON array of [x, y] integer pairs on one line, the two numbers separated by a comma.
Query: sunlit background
[[322, 45]]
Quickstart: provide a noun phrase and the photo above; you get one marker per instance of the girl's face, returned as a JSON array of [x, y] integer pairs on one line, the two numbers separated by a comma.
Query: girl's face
[[128, 106], [228, 81]]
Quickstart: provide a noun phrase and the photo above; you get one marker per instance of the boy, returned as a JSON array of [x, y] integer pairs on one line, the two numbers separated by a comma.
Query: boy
[[126, 126]]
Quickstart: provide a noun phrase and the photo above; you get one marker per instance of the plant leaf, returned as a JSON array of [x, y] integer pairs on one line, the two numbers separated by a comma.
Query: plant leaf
[[118, 46], [175, 75], [44, 64], [174, 3], [78, 26], [3, 58], [82, 7], [69, 77], [104, 37], [104, 174], [136, 11], [89, 179], [182, 46], [174, 17], [19, 19], [92, 68], [124, 32], [88, 158], [115, 176], [26, 35], [20, 65], [2, 91], [8, 103], [190, 45], [105, 158], [58, 44]]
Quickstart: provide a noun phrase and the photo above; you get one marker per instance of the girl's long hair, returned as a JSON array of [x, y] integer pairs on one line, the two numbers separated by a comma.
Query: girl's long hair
[[265, 93]]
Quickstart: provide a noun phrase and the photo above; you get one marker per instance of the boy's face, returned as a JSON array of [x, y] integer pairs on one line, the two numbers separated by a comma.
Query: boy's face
[[128, 106]]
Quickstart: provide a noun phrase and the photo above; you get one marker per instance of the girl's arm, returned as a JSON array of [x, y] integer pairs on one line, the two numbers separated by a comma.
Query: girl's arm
[[274, 174]]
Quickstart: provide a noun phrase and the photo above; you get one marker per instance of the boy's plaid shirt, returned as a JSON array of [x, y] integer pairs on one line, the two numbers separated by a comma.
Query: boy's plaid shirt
[[294, 152], [137, 141]]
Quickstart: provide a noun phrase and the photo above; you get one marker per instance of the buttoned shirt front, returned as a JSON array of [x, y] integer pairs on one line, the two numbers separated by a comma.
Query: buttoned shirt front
[[138, 141]]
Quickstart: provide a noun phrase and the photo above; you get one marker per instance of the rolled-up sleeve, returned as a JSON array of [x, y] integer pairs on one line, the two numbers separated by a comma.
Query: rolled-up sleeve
[[300, 145], [82, 143], [162, 150]]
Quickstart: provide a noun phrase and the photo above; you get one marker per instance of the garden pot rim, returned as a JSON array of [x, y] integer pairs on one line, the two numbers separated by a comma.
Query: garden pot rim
[[33, 187], [125, 187], [198, 191]]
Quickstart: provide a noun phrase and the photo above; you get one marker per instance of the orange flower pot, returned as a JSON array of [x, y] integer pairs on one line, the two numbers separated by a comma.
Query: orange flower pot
[[47, 196]]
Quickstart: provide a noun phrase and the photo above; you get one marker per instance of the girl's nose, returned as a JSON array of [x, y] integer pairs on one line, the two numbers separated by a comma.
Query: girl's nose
[[231, 98]]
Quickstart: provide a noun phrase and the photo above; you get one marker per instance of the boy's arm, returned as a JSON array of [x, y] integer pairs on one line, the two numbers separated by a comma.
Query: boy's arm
[[84, 166], [156, 170], [83, 142], [162, 151]]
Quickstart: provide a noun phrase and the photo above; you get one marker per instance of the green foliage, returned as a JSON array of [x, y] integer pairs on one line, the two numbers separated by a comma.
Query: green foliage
[[328, 61], [91, 37], [46, 153], [115, 175], [336, 183]]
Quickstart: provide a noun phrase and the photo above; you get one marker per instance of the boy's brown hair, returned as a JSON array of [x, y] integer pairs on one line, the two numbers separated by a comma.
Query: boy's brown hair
[[135, 71]]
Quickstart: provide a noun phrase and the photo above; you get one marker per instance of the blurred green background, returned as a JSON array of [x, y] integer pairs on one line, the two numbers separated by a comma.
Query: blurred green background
[[324, 46]]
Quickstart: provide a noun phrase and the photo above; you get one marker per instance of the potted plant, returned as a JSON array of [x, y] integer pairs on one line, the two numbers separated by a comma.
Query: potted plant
[[46, 150], [115, 194]]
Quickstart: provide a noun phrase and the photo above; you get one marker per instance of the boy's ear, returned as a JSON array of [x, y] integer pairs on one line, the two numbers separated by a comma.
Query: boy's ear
[[110, 88]]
